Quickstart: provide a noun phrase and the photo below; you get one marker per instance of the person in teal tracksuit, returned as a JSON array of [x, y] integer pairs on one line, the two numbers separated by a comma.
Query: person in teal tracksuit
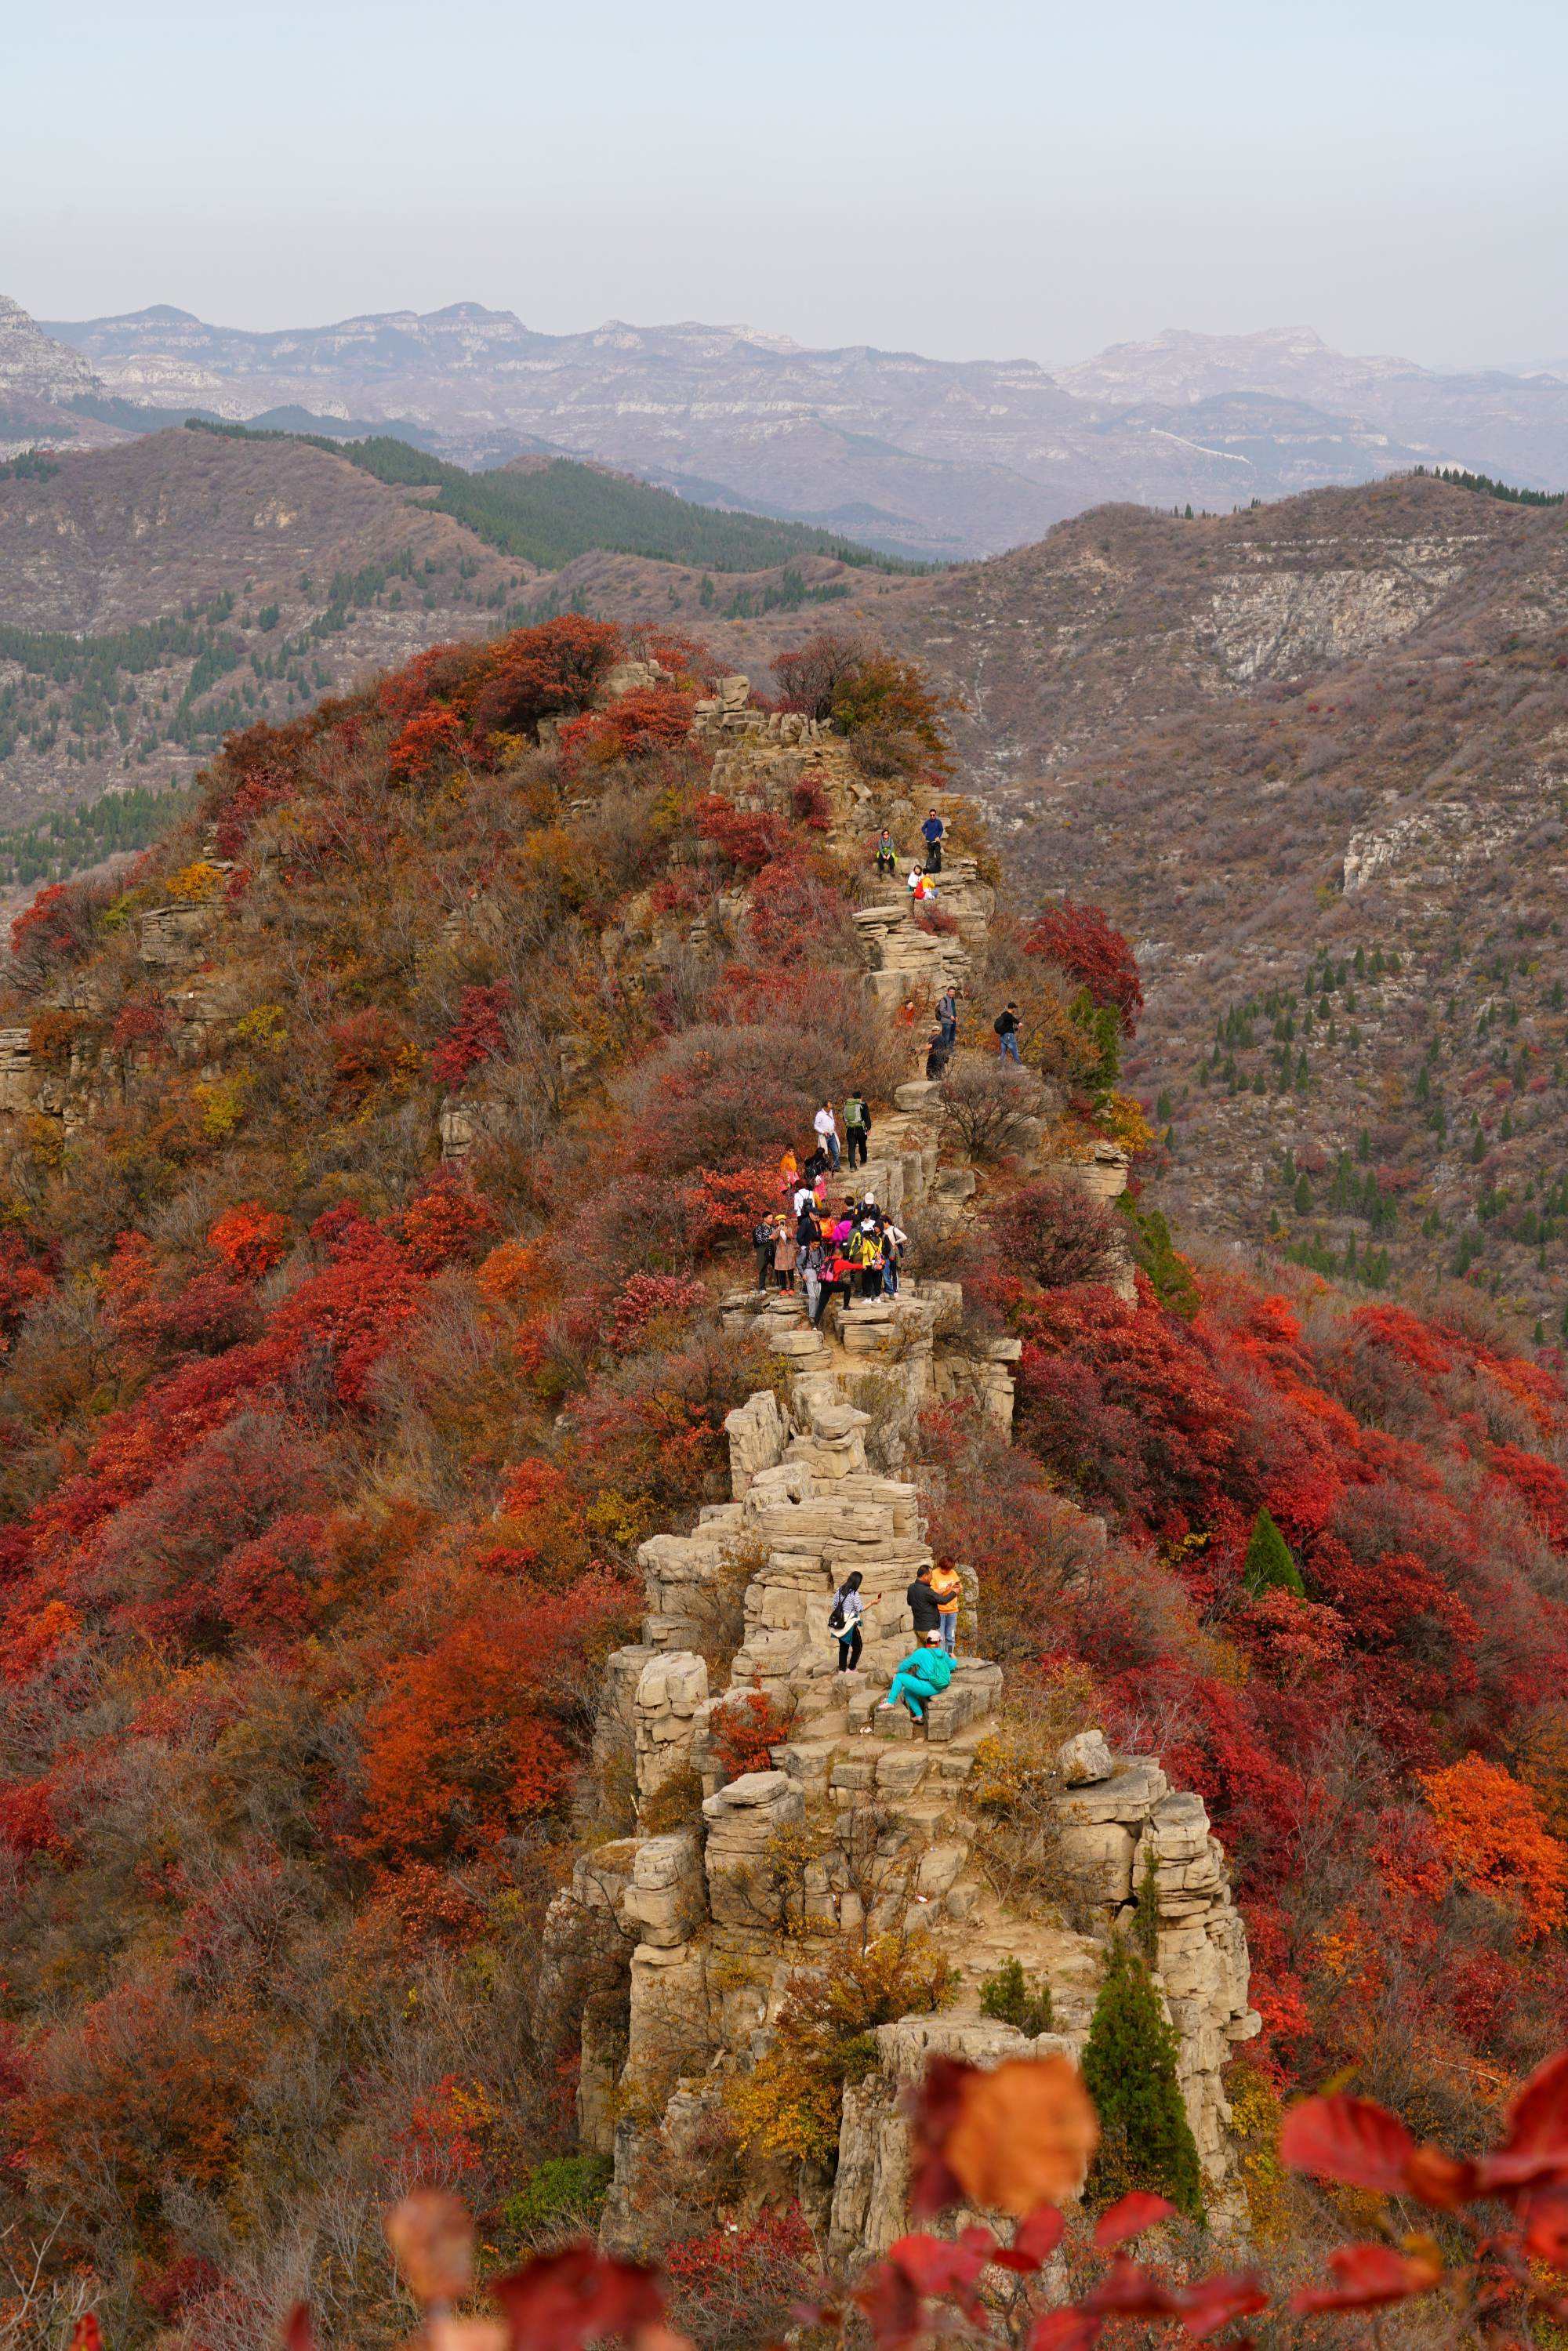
[[920, 1676]]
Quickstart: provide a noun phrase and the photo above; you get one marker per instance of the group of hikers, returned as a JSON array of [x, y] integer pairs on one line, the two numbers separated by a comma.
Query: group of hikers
[[921, 876], [933, 1598], [852, 1251], [856, 1252]]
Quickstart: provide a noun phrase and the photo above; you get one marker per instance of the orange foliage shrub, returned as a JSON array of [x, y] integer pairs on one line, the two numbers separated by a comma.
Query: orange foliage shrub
[[1496, 1843]]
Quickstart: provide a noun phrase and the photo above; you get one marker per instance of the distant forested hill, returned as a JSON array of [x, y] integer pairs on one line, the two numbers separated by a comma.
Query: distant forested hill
[[550, 511]]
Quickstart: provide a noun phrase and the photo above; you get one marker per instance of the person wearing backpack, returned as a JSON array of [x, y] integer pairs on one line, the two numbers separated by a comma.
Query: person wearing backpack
[[894, 1241], [857, 1127], [1006, 1024], [919, 1676], [762, 1241], [844, 1619], [931, 833], [827, 1129]]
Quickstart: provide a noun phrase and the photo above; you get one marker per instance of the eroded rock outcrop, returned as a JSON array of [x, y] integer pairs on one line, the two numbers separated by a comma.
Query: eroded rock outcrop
[[865, 1823]]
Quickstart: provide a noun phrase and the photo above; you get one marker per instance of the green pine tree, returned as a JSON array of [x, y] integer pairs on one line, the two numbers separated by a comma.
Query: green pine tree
[[1269, 1566], [1129, 2071], [1302, 1199]]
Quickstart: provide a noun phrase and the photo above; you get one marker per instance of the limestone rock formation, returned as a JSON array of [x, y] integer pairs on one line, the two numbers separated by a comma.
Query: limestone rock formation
[[684, 1936]]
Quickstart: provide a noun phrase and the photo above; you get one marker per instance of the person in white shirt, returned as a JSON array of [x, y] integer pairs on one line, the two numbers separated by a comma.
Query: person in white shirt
[[827, 1128]]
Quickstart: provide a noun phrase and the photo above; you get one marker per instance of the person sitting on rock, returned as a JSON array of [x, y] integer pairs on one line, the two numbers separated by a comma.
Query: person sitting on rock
[[938, 1053], [886, 855], [923, 1605], [920, 1676]]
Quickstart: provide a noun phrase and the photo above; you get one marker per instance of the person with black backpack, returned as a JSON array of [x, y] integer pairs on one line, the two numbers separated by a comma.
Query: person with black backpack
[[844, 1619], [1006, 1024]]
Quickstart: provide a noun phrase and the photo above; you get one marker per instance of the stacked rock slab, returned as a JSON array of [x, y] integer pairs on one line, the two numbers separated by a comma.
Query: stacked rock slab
[[677, 1943]]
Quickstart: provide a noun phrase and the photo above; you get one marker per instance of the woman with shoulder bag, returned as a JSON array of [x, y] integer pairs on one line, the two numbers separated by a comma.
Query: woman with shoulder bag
[[844, 1619]]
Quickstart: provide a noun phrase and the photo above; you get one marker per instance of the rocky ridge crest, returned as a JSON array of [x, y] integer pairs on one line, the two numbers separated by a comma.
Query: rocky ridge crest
[[672, 1950]]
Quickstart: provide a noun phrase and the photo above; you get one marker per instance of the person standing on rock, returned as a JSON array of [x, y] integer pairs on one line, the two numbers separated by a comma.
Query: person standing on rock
[[866, 1251], [827, 1128], [931, 833], [949, 1586], [857, 1127], [785, 1253], [923, 1605], [948, 1017], [844, 1619], [1006, 1024], [894, 1241], [920, 1676], [763, 1240], [812, 1261]]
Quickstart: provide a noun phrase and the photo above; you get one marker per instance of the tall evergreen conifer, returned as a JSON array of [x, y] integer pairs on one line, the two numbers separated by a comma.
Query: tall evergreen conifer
[[1129, 2071], [1269, 1566]]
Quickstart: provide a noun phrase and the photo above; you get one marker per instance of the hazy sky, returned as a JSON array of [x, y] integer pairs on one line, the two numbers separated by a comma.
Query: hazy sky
[[983, 179]]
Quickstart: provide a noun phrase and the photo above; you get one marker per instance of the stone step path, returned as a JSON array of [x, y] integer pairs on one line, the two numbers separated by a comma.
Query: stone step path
[[685, 1933]]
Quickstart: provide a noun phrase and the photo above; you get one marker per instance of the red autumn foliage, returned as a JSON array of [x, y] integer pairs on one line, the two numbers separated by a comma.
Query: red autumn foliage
[[744, 1731], [23, 1282], [249, 1238], [430, 741], [1080, 939], [52, 930], [539, 672], [746, 839], [476, 1035], [140, 1025], [447, 1223], [633, 727]]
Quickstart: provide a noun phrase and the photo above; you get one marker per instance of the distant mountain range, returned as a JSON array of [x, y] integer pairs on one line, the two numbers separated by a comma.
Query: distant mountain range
[[940, 458]]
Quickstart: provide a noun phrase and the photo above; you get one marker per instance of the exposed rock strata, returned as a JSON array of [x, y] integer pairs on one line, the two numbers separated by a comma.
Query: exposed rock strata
[[865, 1821]]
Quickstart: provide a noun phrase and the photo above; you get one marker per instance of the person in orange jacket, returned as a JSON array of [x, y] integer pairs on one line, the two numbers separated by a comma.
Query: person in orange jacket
[[949, 1586]]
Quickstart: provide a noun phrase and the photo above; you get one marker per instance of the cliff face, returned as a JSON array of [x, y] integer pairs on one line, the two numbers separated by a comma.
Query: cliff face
[[682, 1936], [32, 366]]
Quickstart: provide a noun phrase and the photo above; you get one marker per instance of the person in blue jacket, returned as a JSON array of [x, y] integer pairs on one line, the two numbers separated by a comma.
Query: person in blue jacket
[[920, 1676], [930, 832]]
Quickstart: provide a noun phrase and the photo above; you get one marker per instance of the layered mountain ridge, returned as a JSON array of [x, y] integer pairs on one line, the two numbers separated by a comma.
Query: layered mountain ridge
[[949, 458]]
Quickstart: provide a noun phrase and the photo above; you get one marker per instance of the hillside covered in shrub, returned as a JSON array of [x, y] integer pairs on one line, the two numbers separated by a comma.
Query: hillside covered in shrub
[[324, 1463]]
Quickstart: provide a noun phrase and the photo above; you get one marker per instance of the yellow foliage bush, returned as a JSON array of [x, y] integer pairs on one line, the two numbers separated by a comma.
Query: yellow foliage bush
[[1255, 2117], [222, 1106], [825, 2036], [195, 884], [265, 1028]]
